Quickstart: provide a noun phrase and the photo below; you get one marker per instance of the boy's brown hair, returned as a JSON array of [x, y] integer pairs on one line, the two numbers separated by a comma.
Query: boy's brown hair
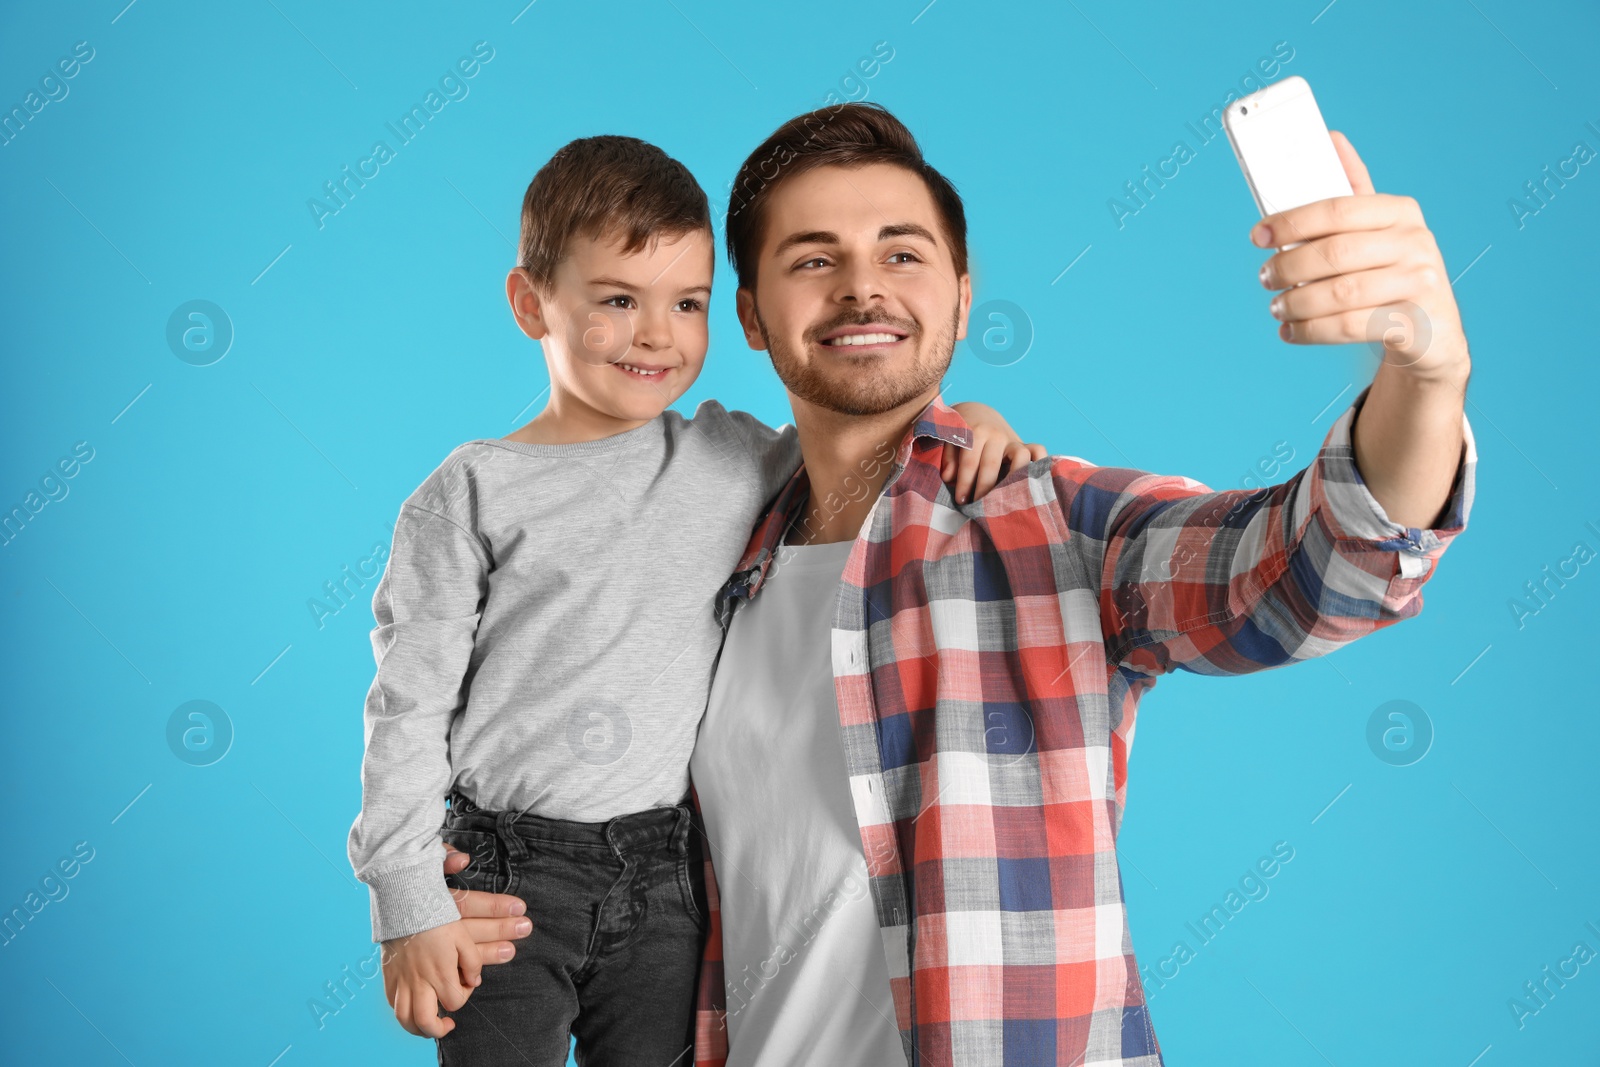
[[849, 135], [606, 186]]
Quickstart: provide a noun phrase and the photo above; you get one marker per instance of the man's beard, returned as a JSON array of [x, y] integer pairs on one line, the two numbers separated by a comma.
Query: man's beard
[[868, 394]]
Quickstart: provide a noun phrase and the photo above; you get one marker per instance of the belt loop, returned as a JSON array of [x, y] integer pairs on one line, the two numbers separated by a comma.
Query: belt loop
[[506, 830], [680, 837]]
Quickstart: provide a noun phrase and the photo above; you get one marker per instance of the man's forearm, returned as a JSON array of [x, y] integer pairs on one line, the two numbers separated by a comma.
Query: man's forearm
[[1408, 441]]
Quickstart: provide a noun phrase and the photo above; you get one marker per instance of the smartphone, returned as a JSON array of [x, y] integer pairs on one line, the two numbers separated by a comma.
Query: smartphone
[[1283, 147]]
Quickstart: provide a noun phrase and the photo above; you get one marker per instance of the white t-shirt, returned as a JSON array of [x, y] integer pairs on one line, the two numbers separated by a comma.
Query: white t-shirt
[[802, 952]]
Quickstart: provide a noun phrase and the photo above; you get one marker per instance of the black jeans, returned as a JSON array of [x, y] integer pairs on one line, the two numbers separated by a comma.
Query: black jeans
[[619, 919]]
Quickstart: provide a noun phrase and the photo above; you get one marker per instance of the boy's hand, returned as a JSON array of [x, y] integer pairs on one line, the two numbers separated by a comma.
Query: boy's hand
[[972, 472], [492, 920], [429, 969]]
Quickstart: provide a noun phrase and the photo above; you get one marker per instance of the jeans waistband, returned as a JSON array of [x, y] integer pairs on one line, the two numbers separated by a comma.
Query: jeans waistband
[[635, 830]]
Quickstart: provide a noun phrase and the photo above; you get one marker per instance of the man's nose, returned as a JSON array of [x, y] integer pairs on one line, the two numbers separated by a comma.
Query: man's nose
[[860, 282]]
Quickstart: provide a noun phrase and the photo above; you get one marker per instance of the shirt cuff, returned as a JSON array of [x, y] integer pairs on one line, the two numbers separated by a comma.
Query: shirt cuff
[[1357, 515], [408, 900]]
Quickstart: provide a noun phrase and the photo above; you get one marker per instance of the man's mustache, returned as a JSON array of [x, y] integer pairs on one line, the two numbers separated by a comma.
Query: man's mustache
[[868, 318]]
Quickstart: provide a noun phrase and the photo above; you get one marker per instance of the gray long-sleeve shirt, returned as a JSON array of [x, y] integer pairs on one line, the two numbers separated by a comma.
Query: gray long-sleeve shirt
[[545, 636]]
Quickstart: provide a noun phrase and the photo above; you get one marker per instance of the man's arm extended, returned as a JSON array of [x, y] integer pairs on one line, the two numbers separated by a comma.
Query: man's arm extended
[[1237, 581], [1370, 270]]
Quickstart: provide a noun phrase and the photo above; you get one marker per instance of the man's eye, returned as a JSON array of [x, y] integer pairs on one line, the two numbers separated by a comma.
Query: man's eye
[[813, 259], [911, 256]]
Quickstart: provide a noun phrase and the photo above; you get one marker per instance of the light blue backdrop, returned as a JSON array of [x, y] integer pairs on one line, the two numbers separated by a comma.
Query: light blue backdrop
[[177, 562]]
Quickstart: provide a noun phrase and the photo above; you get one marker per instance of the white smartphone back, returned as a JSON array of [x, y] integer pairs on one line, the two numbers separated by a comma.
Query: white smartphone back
[[1283, 147]]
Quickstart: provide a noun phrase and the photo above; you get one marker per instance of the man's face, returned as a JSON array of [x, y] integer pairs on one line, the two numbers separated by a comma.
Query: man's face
[[856, 299]]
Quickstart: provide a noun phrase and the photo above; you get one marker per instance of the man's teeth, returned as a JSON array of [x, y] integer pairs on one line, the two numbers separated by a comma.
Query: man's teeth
[[641, 370], [864, 339]]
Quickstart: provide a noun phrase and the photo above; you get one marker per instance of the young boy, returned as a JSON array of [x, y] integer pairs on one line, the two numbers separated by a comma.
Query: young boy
[[545, 641]]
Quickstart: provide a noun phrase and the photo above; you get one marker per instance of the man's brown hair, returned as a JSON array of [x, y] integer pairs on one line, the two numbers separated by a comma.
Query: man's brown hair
[[849, 135], [606, 186]]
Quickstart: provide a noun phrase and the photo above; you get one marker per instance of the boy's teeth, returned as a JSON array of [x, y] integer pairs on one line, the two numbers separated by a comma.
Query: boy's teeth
[[641, 370], [865, 339]]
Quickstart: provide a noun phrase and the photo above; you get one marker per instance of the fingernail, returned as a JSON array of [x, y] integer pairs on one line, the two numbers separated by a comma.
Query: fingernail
[[1276, 307], [523, 926], [1266, 276], [505, 953], [1262, 234]]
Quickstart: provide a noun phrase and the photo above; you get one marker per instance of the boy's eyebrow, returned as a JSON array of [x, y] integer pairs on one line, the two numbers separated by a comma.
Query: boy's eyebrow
[[618, 283], [828, 237]]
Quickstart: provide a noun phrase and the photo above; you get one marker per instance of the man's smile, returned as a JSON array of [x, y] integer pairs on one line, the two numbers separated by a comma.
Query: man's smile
[[872, 337]]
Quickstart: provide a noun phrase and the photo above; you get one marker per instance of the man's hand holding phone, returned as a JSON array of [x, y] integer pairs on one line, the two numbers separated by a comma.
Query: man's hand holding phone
[[1369, 270]]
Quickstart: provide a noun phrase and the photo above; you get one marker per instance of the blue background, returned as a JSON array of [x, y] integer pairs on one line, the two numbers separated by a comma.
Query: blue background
[[221, 498]]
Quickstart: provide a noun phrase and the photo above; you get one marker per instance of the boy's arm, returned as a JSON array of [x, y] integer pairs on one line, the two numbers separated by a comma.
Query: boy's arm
[[971, 472], [427, 606], [996, 450]]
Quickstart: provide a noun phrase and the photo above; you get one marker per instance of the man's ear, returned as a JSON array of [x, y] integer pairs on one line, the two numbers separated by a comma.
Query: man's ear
[[526, 306], [744, 302], [963, 305]]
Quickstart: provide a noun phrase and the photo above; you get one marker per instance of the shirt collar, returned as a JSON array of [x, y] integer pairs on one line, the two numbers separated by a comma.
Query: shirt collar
[[937, 422]]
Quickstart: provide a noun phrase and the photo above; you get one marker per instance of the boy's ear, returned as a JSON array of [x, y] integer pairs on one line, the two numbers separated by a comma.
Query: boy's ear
[[964, 305], [526, 306], [744, 302]]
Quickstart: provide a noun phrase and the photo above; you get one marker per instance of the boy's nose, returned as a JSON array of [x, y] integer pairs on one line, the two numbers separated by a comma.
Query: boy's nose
[[652, 332]]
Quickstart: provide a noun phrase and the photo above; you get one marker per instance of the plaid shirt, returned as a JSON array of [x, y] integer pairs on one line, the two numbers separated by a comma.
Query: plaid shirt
[[988, 662]]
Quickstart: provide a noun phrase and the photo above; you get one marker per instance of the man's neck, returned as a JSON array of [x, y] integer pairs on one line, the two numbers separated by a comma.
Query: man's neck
[[847, 458]]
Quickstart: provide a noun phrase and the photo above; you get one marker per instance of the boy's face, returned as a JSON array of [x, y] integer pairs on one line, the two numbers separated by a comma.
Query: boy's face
[[856, 296], [624, 335]]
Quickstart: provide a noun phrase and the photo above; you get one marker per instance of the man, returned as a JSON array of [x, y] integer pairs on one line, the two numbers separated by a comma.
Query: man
[[936, 700]]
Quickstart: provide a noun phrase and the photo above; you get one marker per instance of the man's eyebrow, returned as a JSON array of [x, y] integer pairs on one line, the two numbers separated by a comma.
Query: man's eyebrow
[[809, 237], [906, 229], [828, 237]]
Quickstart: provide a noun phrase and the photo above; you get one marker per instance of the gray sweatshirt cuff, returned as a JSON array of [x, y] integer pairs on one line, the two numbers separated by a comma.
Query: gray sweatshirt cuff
[[408, 900]]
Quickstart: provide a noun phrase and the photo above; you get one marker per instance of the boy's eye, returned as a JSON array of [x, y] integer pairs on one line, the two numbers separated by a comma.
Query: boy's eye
[[627, 301], [689, 303]]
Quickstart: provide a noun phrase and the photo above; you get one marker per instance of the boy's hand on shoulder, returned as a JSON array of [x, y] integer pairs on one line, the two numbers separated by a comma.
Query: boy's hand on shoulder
[[427, 970], [996, 449]]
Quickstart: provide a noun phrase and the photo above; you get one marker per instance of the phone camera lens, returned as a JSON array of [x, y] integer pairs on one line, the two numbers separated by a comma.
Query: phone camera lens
[[1244, 111]]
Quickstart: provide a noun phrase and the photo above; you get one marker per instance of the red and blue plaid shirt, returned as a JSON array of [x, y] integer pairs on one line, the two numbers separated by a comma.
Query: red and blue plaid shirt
[[988, 663]]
